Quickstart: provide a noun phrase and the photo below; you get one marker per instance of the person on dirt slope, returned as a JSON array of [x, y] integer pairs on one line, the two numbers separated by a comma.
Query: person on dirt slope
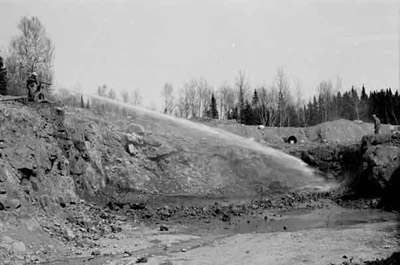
[[34, 88], [32, 85], [377, 123]]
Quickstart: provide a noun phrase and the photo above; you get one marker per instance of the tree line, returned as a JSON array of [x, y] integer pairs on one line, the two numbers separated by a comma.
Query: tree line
[[275, 105], [269, 105]]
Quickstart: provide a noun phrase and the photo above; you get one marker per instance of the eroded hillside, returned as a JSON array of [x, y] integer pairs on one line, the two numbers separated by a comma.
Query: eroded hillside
[[76, 183]]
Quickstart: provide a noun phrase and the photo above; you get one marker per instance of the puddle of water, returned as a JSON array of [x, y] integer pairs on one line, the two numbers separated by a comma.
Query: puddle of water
[[336, 219]]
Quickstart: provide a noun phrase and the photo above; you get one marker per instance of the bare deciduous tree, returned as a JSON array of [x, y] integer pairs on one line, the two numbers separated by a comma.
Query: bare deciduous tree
[[125, 97], [226, 99], [137, 98], [269, 100], [299, 104], [168, 95], [204, 92], [190, 90], [152, 106], [183, 105], [30, 51], [282, 86], [111, 94], [242, 85], [102, 90], [325, 93]]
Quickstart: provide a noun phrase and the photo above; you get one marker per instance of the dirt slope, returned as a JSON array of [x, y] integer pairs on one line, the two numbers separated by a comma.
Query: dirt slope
[[338, 131]]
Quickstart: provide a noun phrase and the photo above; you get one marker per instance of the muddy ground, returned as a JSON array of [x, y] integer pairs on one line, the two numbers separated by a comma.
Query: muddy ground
[[312, 228], [306, 229]]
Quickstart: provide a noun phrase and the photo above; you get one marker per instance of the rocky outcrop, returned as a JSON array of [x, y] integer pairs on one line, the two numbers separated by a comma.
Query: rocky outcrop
[[370, 169], [380, 168], [51, 156], [339, 162], [33, 167]]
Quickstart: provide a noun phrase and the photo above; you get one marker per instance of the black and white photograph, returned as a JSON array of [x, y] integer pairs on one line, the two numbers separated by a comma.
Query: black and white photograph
[[200, 132]]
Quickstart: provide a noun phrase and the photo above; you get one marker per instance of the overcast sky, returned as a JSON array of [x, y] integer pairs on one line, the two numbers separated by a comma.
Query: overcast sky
[[143, 44]]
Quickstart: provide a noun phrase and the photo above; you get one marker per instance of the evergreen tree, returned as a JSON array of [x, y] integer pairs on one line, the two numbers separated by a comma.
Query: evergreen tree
[[233, 113], [321, 108], [255, 100], [87, 104], [384, 103], [211, 111], [347, 107], [314, 115], [3, 77], [257, 109], [82, 103], [397, 105], [213, 107], [364, 105], [355, 101], [339, 103], [292, 120], [390, 104], [248, 114]]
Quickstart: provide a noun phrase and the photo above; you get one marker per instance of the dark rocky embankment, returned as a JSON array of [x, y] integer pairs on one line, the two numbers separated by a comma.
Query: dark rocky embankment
[[368, 169]]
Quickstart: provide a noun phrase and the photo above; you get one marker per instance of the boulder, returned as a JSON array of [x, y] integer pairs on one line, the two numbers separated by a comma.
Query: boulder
[[135, 128], [69, 234], [131, 149], [380, 160], [19, 246], [133, 138]]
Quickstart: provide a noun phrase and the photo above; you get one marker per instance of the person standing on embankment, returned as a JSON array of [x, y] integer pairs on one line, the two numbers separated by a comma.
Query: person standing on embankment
[[377, 124]]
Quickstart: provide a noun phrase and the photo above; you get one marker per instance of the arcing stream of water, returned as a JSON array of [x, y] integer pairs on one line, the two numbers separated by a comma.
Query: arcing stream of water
[[281, 160]]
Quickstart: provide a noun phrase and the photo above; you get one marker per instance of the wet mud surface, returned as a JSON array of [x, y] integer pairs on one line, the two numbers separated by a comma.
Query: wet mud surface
[[184, 225]]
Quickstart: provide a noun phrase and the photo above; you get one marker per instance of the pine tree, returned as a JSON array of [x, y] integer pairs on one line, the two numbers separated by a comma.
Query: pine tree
[[355, 102], [314, 115], [87, 104], [3, 77], [233, 113], [211, 111], [321, 107], [397, 105], [255, 100], [82, 103], [364, 108], [248, 114], [390, 106], [213, 107], [257, 109]]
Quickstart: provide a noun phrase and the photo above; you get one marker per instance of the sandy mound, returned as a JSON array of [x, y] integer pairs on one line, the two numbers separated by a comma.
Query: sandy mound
[[338, 131]]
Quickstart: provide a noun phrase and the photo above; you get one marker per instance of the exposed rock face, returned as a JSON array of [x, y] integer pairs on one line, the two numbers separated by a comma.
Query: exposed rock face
[[381, 165], [339, 162], [372, 168], [32, 164], [52, 156]]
